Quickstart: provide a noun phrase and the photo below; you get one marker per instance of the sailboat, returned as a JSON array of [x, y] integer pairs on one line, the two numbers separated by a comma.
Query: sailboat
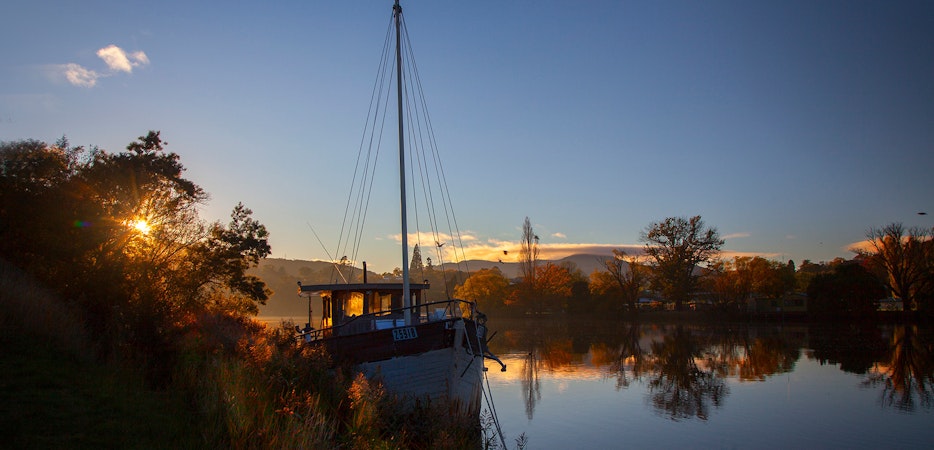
[[419, 350]]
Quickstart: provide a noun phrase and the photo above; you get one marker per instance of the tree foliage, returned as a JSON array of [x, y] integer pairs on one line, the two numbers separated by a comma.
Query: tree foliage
[[554, 284], [677, 245], [849, 291], [119, 234], [489, 288], [735, 282]]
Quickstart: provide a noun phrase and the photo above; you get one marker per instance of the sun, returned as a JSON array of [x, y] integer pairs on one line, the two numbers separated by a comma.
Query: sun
[[142, 226]]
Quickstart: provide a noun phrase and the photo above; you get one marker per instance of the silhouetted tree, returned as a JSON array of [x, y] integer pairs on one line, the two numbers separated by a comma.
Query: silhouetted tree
[[629, 274], [417, 267], [528, 268], [849, 291], [119, 234], [677, 245], [907, 258]]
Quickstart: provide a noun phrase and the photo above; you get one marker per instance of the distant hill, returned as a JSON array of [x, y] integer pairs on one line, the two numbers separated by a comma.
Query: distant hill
[[283, 275], [586, 263]]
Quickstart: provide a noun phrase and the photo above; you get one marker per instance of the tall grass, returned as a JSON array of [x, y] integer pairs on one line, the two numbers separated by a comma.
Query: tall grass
[[233, 383]]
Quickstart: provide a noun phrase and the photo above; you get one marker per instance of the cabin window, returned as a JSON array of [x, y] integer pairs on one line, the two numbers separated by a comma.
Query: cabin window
[[383, 302], [353, 304]]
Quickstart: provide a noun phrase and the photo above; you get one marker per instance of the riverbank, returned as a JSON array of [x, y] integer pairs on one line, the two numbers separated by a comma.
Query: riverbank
[[52, 399], [224, 382]]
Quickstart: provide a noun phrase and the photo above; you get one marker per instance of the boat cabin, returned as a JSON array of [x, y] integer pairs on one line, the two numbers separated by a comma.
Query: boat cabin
[[355, 308]]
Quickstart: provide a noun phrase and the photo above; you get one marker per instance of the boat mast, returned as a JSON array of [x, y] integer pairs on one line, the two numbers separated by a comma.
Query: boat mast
[[406, 293]]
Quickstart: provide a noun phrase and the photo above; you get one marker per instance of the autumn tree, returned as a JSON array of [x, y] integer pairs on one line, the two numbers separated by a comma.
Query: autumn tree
[[906, 257], [604, 292], [489, 288], [554, 287], [677, 246], [735, 282]]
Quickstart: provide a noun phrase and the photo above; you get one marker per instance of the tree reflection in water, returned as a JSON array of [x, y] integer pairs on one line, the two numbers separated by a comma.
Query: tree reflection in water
[[677, 385], [531, 385], [684, 368], [628, 362], [907, 373]]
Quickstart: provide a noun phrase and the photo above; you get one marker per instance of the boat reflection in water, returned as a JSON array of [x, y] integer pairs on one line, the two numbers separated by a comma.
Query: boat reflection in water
[[594, 381]]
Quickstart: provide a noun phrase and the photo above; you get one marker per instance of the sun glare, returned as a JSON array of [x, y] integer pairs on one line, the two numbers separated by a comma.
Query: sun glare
[[142, 226]]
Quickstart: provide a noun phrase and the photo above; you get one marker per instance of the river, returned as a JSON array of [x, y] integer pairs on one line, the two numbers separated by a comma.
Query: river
[[612, 384]]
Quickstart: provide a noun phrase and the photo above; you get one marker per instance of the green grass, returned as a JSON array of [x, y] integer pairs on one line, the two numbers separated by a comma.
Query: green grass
[[49, 399]]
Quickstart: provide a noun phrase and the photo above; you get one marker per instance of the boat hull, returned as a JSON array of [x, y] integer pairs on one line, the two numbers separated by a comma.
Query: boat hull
[[442, 364]]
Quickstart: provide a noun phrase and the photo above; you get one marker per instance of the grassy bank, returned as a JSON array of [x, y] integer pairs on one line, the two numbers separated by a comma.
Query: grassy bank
[[50, 399], [224, 382], [54, 393]]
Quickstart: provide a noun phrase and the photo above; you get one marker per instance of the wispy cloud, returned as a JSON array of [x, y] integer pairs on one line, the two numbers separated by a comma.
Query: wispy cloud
[[739, 235], [559, 235], [78, 75], [116, 59]]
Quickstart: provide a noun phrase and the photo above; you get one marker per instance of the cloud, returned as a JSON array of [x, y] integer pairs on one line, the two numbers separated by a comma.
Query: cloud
[[559, 235], [508, 251], [78, 75], [118, 60], [737, 235]]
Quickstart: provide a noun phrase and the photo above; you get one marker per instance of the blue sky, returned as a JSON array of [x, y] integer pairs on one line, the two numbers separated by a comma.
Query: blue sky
[[792, 127]]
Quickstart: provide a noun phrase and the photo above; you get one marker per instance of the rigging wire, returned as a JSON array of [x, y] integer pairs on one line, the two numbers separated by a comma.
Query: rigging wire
[[423, 155]]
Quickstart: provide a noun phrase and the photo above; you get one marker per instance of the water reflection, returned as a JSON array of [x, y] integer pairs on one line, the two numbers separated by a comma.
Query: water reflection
[[684, 369], [681, 385], [531, 384], [906, 375]]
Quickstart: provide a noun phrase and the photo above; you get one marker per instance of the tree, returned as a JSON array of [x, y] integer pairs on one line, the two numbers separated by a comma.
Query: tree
[[224, 258], [554, 287], [417, 266], [528, 266], [850, 290], [736, 282], [906, 257], [629, 274], [677, 245], [489, 288], [119, 235]]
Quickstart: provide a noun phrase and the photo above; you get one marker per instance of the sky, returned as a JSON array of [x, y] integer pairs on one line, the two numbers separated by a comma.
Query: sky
[[792, 127]]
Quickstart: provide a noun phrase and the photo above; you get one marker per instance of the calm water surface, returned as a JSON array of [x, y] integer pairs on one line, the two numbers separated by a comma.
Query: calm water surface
[[583, 384]]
